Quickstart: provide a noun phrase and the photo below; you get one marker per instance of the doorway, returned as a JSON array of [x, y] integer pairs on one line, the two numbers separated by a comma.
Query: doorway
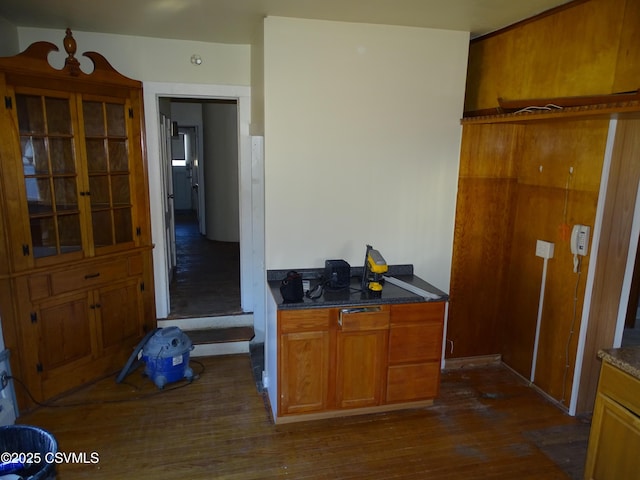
[[251, 180], [203, 195]]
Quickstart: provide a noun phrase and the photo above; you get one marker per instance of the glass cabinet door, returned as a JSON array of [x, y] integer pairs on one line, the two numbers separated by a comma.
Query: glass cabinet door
[[50, 173], [106, 142]]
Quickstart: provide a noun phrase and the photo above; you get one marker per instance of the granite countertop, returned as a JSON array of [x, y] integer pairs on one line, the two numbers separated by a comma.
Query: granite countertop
[[354, 295], [626, 359]]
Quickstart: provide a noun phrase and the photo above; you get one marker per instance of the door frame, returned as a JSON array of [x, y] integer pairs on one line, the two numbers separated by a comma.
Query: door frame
[[167, 199], [251, 210]]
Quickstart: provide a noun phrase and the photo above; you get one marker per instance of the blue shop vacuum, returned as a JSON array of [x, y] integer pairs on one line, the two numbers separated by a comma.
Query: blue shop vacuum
[[165, 353]]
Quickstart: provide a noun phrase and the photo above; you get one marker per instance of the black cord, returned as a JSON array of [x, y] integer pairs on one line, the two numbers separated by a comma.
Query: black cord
[[104, 402]]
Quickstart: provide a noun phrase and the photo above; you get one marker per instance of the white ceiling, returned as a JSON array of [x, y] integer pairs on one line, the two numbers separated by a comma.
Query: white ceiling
[[234, 21]]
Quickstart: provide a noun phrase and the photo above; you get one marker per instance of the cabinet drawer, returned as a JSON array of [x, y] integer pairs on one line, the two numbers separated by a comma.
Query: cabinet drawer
[[417, 312], [364, 318], [304, 320], [621, 387], [415, 343], [406, 383], [39, 286], [89, 275]]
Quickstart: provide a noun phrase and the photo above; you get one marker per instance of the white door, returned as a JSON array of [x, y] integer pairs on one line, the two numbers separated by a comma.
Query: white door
[[181, 188], [192, 142], [165, 161]]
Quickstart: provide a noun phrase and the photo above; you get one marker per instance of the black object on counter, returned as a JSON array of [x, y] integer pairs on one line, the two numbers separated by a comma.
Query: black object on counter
[[337, 274], [291, 287]]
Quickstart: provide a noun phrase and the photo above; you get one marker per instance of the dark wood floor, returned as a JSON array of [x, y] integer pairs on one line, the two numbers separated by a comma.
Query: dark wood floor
[[206, 281], [486, 424]]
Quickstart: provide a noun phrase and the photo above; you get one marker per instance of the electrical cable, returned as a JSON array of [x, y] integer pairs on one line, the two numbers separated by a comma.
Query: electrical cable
[[105, 402], [571, 331], [534, 108]]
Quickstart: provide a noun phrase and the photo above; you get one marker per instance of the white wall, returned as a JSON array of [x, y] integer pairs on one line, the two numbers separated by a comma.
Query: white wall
[[257, 82], [153, 59], [221, 171], [8, 39], [362, 139]]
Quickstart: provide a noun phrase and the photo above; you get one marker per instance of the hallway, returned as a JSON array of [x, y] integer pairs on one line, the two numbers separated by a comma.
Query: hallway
[[206, 280]]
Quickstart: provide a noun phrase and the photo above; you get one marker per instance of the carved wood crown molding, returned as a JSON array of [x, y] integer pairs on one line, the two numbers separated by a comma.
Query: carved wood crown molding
[[35, 59], [556, 108]]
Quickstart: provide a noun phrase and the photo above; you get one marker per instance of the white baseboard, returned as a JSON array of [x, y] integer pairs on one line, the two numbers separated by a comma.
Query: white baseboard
[[197, 323], [213, 349]]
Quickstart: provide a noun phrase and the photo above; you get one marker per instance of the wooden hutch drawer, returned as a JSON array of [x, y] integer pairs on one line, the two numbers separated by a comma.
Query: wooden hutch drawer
[[43, 285], [88, 276]]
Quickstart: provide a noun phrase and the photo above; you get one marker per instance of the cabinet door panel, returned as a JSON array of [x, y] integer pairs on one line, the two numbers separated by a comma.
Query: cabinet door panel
[[360, 365], [304, 372], [614, 443], [109, 171], [65, 332], [406, 383], [50, 173], [119, 310], [415, 343]]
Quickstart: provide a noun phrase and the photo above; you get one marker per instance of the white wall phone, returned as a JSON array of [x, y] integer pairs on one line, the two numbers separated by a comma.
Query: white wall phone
[[580, 240]]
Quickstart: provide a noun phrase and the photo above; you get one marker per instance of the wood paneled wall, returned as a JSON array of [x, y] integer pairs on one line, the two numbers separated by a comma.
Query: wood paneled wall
[[519, 184], [484, 212], [588, 48]]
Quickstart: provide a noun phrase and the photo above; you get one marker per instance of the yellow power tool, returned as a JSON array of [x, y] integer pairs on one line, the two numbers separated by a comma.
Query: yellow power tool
[[374, 268]]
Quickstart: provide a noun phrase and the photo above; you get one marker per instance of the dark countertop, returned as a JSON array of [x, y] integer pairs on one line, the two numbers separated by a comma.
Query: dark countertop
[[354, 296], [626, 359]]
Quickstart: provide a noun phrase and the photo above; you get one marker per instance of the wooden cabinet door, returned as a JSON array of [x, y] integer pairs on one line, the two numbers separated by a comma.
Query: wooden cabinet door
[[303, 360], [47, 181], [304, 372], [107, 132], [614, 442], [360, 368], [119, 316], [85, 335], [361, 356], [65, 345]]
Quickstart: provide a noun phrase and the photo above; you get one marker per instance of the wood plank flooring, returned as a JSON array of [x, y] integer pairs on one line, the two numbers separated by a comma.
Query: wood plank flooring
[[206, 280], [486, 424]]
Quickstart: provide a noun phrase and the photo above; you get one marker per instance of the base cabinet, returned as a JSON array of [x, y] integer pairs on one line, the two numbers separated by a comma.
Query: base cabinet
[[614, 441], [80, 329], [415, 349], [304, 361], [347, 360]]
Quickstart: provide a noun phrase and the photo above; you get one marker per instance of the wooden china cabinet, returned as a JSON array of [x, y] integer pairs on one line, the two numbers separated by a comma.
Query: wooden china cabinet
[[76, 280]]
